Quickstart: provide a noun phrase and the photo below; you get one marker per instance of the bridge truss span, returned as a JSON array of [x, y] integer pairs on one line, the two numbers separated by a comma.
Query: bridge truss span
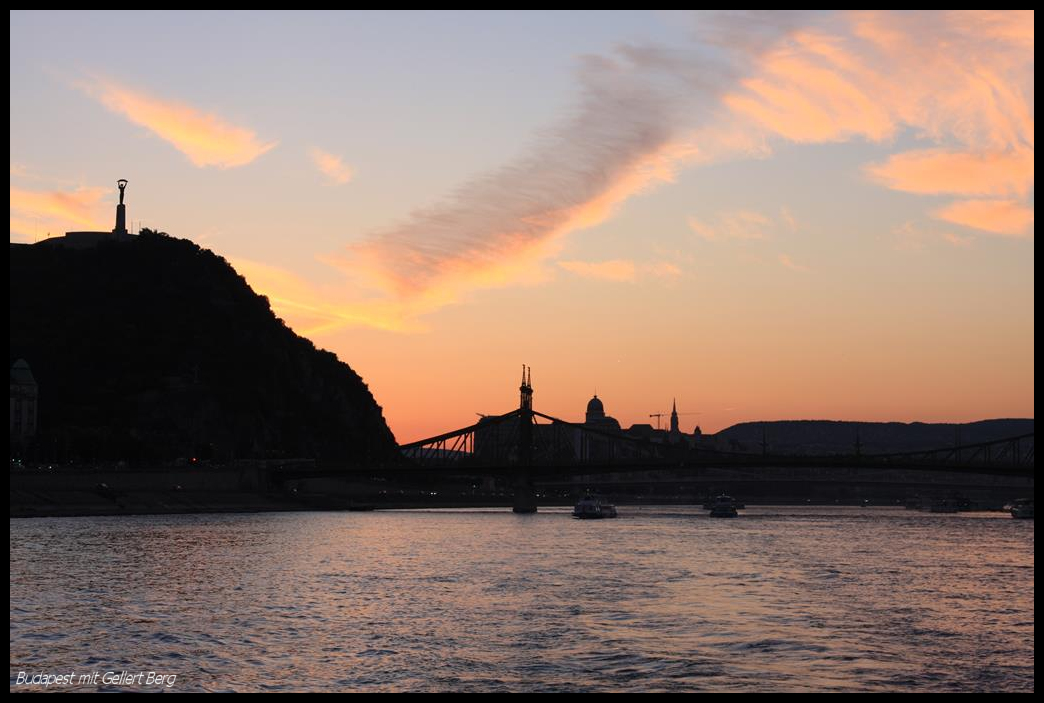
[[526, 437], [537, 443]]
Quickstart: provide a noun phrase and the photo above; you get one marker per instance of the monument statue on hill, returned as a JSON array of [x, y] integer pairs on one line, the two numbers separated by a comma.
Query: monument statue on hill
[[121, 210], [89, 240]]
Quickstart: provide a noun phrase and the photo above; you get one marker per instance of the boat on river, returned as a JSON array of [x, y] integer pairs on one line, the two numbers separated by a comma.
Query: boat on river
[[723, 506], [593, 508], [1022, 508]]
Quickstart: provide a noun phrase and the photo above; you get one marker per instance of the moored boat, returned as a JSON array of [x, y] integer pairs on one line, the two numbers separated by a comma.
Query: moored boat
[[723, 506], [1022, 508], [593, 508]]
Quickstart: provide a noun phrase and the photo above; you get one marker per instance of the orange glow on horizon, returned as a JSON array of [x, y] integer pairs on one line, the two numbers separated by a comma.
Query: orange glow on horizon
[[57, 211], [831, 217]]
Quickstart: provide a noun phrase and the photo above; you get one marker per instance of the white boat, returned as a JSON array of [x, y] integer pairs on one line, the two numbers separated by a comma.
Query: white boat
[[593, 508], [723, 506]]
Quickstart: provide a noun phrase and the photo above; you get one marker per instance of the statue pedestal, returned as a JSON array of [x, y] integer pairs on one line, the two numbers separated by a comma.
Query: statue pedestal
[[121, 219]]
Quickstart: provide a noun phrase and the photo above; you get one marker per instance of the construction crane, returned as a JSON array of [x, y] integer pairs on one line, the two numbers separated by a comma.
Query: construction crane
[[659, 415]]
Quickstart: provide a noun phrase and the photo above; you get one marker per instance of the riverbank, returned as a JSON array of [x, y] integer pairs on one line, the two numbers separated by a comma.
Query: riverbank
[[80, 491]]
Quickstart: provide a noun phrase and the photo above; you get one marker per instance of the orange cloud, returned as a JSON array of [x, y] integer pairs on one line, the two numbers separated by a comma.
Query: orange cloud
[[620, 270], [497, 230], [614, 270], [443, 253], [661, 269], [733, 225], [333, 167], [789, 263], [643, 112], [911, 236], [312, 309], [962, 79], [933, 171], [1006, 217], [207, 140], [35, 212], [806, 102], [957, 240]]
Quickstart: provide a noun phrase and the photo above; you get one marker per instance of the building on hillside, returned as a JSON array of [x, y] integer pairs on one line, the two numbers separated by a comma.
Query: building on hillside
[[24, 395]]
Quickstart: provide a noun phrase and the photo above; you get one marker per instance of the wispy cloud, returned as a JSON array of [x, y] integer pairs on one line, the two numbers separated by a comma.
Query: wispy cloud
[[615, 270], [934, 171], [957, 240], [38, 212], [789, 263], [961, 81], [661, 269], [620, 270], [805, 78], [206, 139], [312, 309], [618, 144], [914, 236], [1005, 217], [333, 167], [740, 224]]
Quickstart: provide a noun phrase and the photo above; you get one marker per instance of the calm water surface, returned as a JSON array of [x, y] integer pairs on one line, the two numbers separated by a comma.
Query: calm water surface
[[780, 599]]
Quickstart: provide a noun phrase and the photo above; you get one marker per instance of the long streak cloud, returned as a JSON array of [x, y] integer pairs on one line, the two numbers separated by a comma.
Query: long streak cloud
[[961, 83]]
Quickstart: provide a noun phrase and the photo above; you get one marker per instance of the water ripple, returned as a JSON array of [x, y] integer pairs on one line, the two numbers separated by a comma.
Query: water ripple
[[782, 599]]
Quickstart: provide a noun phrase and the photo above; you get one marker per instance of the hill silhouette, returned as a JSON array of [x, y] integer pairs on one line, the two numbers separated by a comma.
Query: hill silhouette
[[156, 349], [839, 437]]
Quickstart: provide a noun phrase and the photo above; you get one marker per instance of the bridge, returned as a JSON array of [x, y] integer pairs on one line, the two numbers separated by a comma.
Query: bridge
[[525, 446], [528, 445]]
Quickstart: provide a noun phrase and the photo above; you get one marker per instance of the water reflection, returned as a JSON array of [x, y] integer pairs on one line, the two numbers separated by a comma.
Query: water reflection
[[783, 599]]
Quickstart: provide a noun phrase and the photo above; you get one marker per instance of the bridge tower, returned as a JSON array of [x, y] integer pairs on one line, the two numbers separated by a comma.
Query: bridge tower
[[526, 390], [525, 496]]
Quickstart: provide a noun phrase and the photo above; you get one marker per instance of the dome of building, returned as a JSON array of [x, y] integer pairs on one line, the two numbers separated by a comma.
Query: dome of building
[[21, 375], [595, 411]]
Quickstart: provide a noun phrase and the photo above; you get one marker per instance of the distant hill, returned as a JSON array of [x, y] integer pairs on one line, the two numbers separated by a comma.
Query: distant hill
[[157, 349], [838, 437]]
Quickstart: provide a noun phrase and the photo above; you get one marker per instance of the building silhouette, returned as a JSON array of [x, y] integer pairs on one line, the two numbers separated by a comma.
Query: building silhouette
[[24, 393], [596, 417]]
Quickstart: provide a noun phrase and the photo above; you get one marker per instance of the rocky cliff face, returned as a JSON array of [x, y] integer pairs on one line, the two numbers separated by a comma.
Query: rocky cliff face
[[157, 349]]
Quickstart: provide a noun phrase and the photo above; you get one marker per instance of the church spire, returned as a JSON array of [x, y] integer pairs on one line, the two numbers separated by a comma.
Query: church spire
[[674, 418]]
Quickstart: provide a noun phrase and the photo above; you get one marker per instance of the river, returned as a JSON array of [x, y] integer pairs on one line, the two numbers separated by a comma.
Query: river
[[660, 599]]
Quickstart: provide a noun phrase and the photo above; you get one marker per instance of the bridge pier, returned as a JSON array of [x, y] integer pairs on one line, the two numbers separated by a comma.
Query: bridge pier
[[525, 496]]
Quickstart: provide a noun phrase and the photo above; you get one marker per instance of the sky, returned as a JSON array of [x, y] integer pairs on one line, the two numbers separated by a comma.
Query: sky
[[764, 216]]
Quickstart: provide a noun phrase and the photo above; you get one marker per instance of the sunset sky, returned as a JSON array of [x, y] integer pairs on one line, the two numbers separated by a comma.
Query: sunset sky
[[765, 216]]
